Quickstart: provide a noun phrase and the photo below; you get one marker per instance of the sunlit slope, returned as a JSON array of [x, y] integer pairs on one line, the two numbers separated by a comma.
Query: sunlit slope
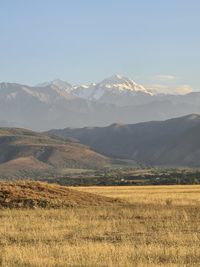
[[22, 151]]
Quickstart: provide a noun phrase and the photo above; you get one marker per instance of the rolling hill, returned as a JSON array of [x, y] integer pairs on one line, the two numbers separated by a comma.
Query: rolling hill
[[173, 142], [24, 153]]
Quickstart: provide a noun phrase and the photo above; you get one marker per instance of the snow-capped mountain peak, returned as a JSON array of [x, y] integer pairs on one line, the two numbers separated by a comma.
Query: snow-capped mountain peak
[[111, 88], [122, 83]]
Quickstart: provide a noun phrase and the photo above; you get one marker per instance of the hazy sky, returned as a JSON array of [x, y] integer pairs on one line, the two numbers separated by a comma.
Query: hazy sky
[[155, 42]]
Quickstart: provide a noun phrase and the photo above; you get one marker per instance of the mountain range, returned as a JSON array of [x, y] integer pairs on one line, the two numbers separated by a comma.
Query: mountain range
[[173, 142], [117, 99]]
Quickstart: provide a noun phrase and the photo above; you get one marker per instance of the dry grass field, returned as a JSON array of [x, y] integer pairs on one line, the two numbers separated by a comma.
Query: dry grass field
[[155, 226]]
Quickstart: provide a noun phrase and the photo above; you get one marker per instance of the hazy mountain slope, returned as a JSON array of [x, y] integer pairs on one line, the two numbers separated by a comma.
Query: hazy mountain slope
[[42, 108], [115, 100], [171, 142], [23, 152], [34, 107], [58, 83]]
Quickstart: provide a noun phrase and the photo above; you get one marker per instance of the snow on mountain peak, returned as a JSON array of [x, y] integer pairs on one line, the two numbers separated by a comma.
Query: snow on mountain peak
[[107, 90], [121, 82], [116, 85]]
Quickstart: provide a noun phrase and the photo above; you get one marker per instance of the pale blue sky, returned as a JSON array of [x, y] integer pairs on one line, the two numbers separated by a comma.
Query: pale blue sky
[[87, 40]]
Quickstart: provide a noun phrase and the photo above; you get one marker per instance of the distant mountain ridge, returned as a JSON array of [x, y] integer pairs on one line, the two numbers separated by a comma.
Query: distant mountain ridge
[[117, 99], [173, 142]]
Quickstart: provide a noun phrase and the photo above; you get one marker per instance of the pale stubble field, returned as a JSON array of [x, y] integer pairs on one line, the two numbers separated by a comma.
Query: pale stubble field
[[155, 226]]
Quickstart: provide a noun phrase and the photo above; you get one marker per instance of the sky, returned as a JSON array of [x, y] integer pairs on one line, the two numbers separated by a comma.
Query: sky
[[156, 43]]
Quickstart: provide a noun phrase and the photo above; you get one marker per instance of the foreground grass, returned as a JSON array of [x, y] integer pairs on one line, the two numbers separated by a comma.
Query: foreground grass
[[160, 226]]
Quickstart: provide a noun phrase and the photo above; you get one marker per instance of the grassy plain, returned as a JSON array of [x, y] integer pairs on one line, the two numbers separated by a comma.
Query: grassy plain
[[156, 226]]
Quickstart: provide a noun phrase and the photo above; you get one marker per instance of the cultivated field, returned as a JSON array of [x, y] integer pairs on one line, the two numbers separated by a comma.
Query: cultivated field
[[155, 226]]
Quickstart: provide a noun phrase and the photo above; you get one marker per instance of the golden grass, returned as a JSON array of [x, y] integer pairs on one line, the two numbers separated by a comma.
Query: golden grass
[[159, 226], [179, 194]]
